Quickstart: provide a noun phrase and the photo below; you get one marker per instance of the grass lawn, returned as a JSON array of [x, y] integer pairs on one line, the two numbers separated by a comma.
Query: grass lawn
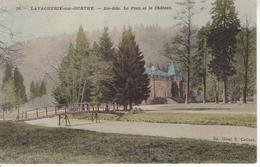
[[23, 143], [199, 118]]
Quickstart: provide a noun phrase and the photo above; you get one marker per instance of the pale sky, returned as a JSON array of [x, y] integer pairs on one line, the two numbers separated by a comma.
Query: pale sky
[[28, 24]]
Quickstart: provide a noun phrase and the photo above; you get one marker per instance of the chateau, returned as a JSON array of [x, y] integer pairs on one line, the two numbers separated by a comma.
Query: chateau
[[166, 84]]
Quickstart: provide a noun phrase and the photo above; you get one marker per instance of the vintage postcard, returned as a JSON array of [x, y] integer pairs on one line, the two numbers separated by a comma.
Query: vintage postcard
[[128, 82]]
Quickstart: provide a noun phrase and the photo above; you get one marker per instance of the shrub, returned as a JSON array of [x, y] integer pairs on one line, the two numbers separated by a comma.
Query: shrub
[[158, 100], [136, 111]]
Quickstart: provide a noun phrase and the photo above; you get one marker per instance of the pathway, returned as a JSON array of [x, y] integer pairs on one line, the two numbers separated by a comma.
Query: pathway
[[231, 134]]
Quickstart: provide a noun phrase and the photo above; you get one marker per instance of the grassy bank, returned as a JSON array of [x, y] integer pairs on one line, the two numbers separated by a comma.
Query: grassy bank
[[22, 143], [234, 119]]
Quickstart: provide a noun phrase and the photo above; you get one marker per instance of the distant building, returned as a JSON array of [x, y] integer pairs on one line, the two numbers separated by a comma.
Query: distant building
[[166, 84]]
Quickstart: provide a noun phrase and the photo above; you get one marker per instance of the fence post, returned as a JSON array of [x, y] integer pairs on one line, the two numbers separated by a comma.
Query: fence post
[[37, 115], [55, 110], [96, 116], [59, 119], [18, 113], [46, 108], [92, 116], [66, 115], [83, 107], [3, 115]]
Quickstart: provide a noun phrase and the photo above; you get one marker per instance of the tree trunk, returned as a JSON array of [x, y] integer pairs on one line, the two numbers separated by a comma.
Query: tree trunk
[[225, 91], [216, 99], [154, 95], [113, 106], [3, 115], [216, 93], [83, 91], [188, 61], [204, 90], [125, 107], [246, 57], [205, 73], [18, 114], [187, 88], [130, 105], [245, 88]]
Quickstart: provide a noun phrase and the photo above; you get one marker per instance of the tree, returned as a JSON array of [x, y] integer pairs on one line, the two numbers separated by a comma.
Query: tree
[[213, 89], [42, 88], [10, 99], [235, 86], [86, 74], [32, 90], [60, 95], [74, 72], [82, 44], [200, 62], [8, 74], [222, 41], [13, 87], [243, 83], [37, 89], [95, 49], [5, 33], [181, 48], [79, 69], [106, 53], [106, 50], [131, 82], [100, 75], [8, 53], [19, 87], [246, 38], [175, 90], [65, 90]]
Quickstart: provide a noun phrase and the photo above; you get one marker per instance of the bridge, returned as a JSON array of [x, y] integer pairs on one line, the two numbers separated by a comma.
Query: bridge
[[65, 110]]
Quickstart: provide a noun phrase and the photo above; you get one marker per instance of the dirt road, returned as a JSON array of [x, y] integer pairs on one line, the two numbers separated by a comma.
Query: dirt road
[[231, 134]]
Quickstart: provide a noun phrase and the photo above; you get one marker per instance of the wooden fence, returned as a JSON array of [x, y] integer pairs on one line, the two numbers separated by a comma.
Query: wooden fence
[[53, 111]]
